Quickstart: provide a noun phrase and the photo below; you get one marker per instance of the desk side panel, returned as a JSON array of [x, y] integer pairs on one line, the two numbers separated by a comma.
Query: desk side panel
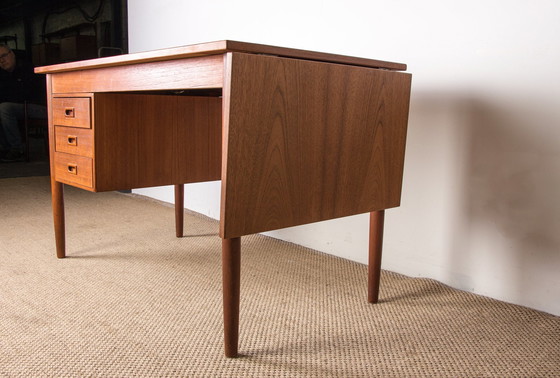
[[309, 141], [134, 138], [151, 140], [198, 139], [191, 73]]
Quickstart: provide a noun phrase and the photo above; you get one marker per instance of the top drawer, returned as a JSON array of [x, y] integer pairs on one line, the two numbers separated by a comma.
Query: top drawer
[[72, 111]]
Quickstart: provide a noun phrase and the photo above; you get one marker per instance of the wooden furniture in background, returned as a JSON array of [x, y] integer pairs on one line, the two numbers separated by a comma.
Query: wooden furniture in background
[[295, 137]]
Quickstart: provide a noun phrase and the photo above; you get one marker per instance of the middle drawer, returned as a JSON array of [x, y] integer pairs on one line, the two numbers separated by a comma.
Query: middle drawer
[[74, 140]]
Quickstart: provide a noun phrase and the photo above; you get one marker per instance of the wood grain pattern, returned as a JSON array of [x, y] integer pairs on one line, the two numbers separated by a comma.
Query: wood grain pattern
[[179, 209], [217, 48], [235, 46], [152, 140], [190, 51], [309, 141], [74, 140], [133, 140], [203, 72], [57, 193], [81, 174], [231, 285], [80, 108], [199, 130], [376, 224]]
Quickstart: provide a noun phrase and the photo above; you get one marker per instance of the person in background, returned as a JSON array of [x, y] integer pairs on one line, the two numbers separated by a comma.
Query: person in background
[[18, 85]]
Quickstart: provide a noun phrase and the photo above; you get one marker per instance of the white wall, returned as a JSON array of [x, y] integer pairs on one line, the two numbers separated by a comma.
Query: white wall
[[480, 207]]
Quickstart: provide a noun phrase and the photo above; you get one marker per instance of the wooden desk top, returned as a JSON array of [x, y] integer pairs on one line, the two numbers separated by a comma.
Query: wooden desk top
[[215, 48]]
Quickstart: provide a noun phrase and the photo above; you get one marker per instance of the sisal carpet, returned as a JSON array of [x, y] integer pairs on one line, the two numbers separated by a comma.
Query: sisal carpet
[[131, 300]]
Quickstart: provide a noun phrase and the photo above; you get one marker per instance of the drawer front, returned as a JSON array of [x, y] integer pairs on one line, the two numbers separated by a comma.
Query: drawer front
[[73, 169], [72, 111], [73, 140]]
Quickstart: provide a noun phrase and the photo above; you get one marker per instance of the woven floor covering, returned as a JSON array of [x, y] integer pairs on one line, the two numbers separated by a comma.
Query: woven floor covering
[[132, 300]]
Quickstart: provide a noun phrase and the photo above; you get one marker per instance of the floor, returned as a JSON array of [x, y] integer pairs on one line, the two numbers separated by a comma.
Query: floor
[[133, 300], [38, 164]]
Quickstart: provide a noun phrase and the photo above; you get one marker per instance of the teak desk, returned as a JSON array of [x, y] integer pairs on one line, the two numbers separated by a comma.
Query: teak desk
[[295, 137]]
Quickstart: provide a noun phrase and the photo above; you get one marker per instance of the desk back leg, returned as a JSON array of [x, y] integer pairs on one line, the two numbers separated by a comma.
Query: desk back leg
[[179, 209], [231, 263], [377, 219], [57, 193]]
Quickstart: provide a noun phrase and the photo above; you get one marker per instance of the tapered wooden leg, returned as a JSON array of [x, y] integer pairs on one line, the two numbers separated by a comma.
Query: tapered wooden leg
[[377, 219], [231, 261], [57, 193], [179, 209]]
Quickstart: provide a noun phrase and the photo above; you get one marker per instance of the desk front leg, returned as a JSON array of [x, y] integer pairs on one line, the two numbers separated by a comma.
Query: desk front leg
[[231, 263], [179, 209], [377, 220], [57, 192]]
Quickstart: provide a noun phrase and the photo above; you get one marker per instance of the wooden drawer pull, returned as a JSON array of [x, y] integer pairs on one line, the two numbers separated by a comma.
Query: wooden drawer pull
[[73, 169], [72, 140], [69, 113]]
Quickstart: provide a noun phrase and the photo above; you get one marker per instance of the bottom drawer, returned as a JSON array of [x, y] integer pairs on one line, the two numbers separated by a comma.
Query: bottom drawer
[[73, 169]]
